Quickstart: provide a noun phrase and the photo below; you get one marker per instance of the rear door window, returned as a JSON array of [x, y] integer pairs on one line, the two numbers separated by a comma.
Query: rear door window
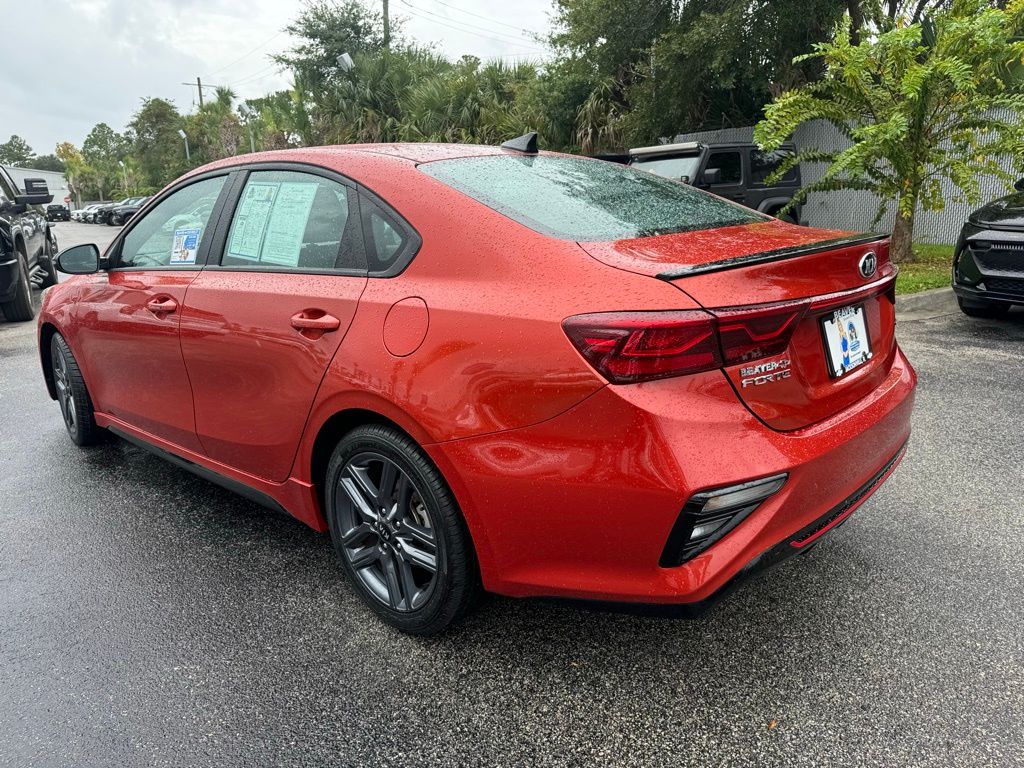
[[292, 221], [573, 198], [763, 165]]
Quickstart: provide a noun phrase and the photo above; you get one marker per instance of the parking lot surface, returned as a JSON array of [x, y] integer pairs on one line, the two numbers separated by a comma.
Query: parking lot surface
[[150, 618]]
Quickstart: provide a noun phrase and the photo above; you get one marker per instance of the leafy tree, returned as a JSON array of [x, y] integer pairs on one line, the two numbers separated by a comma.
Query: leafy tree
[[75, 169], [103, 149], [48, 163], [156, 144], [921, 103], [16, 151], [272, 121]]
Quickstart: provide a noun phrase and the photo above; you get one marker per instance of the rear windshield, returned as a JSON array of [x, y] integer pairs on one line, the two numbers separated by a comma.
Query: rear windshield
[[573, 198]]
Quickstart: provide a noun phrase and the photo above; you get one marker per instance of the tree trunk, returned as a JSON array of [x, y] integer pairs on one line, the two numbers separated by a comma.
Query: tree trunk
[[900, 251]]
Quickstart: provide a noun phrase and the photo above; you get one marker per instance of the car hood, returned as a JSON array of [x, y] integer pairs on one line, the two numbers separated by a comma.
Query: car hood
[[1006, 212]]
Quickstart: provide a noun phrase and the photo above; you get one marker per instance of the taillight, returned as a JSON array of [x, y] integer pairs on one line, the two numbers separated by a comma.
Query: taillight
[[754, 333], [627, 347]]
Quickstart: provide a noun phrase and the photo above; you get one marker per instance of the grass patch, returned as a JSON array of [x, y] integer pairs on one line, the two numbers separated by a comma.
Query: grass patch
[[931, 269]]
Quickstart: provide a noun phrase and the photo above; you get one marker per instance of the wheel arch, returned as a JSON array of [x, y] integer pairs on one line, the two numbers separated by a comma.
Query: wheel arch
[[345, 420], [46, 333]]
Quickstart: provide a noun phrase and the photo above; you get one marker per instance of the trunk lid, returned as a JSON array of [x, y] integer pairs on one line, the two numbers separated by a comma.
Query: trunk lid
[[748, 275]]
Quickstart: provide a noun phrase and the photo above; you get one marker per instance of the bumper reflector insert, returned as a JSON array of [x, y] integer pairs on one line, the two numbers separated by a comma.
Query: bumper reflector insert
[[710, 515]]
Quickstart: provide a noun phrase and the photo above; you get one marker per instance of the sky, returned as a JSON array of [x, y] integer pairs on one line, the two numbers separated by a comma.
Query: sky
[[94, 61]]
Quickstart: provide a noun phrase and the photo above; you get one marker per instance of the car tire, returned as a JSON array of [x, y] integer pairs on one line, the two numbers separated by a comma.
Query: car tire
[[391, 514], [72, 396], [983, 310], [20, 308], [112, 221]]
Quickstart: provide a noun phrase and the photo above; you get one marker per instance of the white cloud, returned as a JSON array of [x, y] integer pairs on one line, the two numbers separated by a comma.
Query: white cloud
[[93, 61]]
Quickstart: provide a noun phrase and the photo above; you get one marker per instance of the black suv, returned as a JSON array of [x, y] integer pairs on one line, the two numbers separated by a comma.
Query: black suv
[[27, 246], [988, 263], [733, 171]]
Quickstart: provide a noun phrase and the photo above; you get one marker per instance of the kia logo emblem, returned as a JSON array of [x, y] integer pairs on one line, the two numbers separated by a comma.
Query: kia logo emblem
[[868, 264]]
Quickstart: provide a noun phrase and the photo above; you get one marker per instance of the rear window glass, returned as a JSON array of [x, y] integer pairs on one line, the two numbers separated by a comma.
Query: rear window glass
[[573, 198]]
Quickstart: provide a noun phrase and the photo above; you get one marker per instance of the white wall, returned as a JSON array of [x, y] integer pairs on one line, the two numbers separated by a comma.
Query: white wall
[[55, 180]]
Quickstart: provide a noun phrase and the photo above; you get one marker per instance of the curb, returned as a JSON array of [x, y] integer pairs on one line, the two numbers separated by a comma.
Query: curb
[[937, 299]]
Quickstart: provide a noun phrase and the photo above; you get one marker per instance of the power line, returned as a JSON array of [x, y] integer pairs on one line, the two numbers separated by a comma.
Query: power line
[[446, 22], [249, 53], [485, 18]]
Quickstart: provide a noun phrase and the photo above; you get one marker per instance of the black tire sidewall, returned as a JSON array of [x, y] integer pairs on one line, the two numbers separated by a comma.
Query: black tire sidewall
[[86, 432], [456, 574]]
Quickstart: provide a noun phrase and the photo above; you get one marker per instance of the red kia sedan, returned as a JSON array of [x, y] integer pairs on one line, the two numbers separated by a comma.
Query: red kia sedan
[[488, 367]]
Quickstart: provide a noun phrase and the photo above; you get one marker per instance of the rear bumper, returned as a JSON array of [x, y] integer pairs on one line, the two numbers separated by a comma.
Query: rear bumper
[[581, 506]]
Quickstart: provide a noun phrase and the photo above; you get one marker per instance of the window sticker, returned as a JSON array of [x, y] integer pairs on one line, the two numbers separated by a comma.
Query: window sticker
[[251, 221], [283, 241], [186, 246]]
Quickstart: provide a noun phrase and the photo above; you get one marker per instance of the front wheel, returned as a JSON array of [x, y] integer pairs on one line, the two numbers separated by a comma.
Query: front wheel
[[20, 308], [72, 396], [398, 531]]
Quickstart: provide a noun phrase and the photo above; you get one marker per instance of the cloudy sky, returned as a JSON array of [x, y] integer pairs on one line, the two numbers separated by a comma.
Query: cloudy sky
[[69, 64]]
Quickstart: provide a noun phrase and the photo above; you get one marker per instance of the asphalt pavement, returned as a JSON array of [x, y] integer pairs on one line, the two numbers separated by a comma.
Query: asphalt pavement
[[150, 618]]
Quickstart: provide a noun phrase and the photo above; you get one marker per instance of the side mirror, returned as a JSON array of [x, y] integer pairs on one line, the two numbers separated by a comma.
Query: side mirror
[[1019, 185], [79, 260], [712, 176], [36, 193]]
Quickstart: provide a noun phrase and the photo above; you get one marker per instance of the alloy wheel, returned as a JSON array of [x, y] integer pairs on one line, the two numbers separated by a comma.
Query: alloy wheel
[[387, 534], [65, 396]]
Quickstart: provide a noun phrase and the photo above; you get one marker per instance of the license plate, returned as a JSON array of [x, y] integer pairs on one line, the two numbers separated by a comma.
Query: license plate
[[846, 340]]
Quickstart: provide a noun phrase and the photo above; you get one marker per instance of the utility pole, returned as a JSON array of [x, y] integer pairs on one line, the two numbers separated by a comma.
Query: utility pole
[[387, 27], [199, 86]]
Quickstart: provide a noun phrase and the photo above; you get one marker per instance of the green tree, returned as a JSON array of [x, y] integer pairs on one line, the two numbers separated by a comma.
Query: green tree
[[48, 163], [156, 145], [76, 170], [921, 103], [16, 151], [103, 149]]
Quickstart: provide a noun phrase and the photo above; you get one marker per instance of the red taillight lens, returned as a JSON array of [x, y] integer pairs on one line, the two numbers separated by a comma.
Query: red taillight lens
[[627, 347], [753, 333]]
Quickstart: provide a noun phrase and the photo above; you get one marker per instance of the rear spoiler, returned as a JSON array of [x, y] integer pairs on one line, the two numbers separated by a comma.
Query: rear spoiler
[[767, 256]]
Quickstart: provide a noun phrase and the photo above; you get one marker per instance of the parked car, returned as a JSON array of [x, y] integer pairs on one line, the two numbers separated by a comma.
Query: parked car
[[541, 374], [90, 211], [122, 212], [737, 172], [101, 214], [988, 262], [27, 246], [58, 212]]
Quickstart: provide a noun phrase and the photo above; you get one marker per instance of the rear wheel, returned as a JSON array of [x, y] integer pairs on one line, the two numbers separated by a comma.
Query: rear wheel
[[72, 396], [983, 309], [20, 308], [398, 531]]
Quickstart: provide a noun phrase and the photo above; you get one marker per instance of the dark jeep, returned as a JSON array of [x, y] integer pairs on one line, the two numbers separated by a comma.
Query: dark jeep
[[734, 171]]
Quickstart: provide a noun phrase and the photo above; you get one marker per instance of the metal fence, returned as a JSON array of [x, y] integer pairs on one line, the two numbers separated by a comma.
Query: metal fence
[[854, 209]]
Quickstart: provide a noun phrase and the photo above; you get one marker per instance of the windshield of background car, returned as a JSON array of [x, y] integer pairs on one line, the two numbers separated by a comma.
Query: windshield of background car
[[679, 167], [573, 198]]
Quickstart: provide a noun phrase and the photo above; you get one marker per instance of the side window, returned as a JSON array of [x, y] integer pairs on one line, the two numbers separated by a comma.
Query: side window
[[763, 164], [730, 164], [7, 192], [288, 220], [170, 235], [389, 244]]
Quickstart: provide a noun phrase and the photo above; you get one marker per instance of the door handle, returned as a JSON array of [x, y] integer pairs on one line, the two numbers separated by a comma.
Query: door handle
[[314, 321], [161, 305]]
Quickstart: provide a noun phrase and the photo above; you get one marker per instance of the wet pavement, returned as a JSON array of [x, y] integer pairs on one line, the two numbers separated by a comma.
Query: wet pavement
[[150, 618]]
